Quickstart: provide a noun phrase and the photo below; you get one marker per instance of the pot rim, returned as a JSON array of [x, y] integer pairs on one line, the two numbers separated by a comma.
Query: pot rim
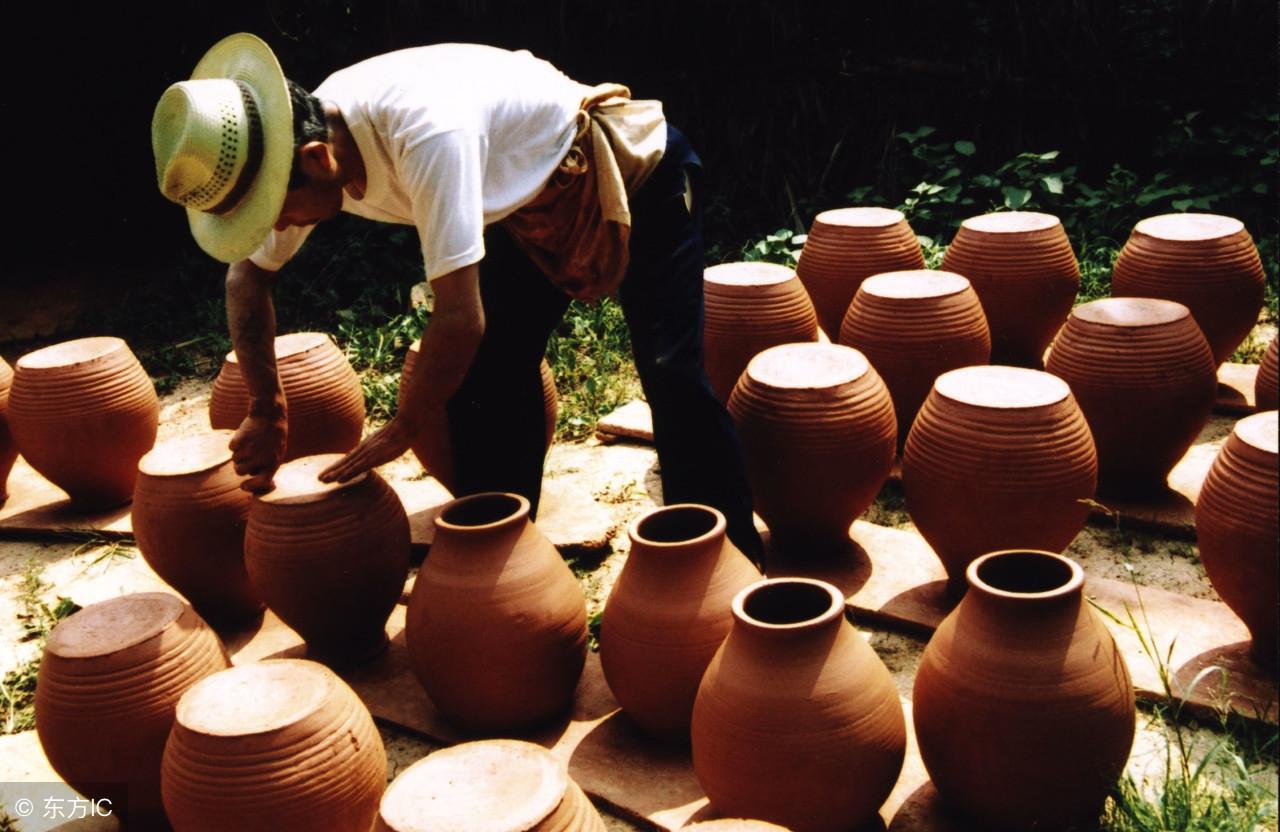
[[518, 513], [94, 347], [999, 222], [718, 526], [739, 274], [1149, 312], [835, 609], [1189, 227], [1259, 431], [204, 442], [295, 344], [297, 482], [1073, 582], [1019, 388]]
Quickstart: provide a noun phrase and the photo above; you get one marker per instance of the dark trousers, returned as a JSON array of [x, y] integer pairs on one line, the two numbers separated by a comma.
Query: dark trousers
[[495, 419]]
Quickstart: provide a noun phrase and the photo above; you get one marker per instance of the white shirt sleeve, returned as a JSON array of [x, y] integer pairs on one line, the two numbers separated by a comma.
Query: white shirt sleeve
[[280, 247], [444, 177]]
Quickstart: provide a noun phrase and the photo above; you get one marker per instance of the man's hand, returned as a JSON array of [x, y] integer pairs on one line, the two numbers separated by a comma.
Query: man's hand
[[380, 447], [257, 449]]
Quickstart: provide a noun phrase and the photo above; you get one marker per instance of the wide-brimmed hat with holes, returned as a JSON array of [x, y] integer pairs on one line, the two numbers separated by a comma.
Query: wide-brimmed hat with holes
[[223, 143]]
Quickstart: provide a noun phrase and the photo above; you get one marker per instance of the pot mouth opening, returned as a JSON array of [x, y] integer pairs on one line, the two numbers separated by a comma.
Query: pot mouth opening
[[1025, 573], [483, 510], [678, 524], [789, 603]]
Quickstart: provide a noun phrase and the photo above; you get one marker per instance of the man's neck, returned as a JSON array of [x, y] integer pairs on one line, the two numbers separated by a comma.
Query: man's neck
[[345, 151]]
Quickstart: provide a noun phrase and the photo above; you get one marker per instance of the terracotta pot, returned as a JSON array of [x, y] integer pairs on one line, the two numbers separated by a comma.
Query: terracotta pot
[[1264, 387], [913, 327], [735, 825], [1024, 270], [1206, 262], [818, 432], [749, 308], [797, 721], [496, 625], [1023, 706], [283, 745], [329, 558], [668, 612], [1236, 526], [83, 413], [998, 458], [1143, 373], [848, 245], [189, 516], [109, 681], [323, 394], [494, 785], [8, 448], [431, 446]]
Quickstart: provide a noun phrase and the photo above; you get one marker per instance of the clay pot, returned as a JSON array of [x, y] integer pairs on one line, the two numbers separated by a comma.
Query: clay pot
[[431, 446], [1206, 262], [1023, 706], [1236, 526], [1264, 387], [998, 458], [749, 308], [83, 413], [494, 785], [668, 612], [496, 625], [847, 245], [1024, 270], [189, 516], [283, 745], [1144, 376], [322, 392], [913, 327], [329, 558], [109, 681], [8, 448], [735, 825], [818, 433], [797, 721]]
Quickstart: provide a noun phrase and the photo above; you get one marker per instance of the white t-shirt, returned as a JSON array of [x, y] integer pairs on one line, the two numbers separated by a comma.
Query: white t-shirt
[[453, 137]]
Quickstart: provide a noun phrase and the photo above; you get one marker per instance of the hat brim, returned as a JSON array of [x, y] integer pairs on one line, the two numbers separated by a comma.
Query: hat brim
[[234, 235]]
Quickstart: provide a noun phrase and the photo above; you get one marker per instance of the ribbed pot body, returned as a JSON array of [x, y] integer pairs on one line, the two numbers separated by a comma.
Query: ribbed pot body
[[818, 432], [321, 770], [496, 625], [1023, 705], [797, 722], [1205, 262], [1236, 527], [979, 478], [667, 614], [749, 308], [83, 413], [322, 392], [1143, 373], [1264, 387], [913, 335], [846, 246], [8, 447], [103, 712], [332, 568]]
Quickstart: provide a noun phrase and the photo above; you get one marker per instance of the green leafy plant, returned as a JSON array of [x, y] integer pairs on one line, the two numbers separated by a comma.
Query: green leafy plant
[[18, 687]]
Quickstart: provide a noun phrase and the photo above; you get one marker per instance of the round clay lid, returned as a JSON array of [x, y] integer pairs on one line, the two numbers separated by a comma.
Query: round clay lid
[[862, 217], [917, 283], [1011, 222], [1001, 387], [291, 344], [1189, 227], [488, 786], [808, 366], [111, 626], [748, 274], [70, 353], [298, 481], [1259, 430], [192, 454], [256, 698], [1131, 312]]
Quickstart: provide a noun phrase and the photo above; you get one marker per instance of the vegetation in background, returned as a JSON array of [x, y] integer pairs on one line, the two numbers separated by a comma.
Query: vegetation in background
[[18, 688]]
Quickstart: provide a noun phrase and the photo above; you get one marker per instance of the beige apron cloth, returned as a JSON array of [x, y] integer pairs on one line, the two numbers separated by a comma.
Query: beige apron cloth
[[576, 230]]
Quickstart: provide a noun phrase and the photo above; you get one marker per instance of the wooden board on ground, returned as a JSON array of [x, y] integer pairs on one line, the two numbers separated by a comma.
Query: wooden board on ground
[[422, 501], [37, 505], [632, 422], [1235, 389]]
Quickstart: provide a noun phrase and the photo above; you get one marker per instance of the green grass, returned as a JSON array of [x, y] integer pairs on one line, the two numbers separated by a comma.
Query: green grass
[[18, 687]]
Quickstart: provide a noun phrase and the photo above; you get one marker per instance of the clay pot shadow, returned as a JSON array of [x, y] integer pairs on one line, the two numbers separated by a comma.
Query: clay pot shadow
[[847, 568], [1240, 664], [925, 809], [922, 607], [653, 483]]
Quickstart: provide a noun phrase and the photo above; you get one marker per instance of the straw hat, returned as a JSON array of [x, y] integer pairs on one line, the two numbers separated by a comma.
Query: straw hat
[[223, 143]]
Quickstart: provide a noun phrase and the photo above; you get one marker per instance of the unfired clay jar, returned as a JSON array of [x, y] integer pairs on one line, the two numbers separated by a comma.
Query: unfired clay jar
[[1264, 387], [797, 722], [83, 413], [189, 516], [322, 392], [735, 825], [998, 458], [1143, 373], [749, 308], [8, 448], [496, 625], [818, 432], [109, 681], [848, 245], [668, 613], [279, 745], [492, 786], [1236, 526], [431, 446], [1024, 270], [913, 327], [1023, 706], [329, 558], [1206, 262]]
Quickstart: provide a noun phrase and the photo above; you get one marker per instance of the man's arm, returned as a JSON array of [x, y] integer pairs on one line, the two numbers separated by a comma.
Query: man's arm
[[259, 445]]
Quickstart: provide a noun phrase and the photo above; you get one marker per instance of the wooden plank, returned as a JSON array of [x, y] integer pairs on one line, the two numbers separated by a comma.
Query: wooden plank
[[632, 422], [37, 505], [1235, 389]]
